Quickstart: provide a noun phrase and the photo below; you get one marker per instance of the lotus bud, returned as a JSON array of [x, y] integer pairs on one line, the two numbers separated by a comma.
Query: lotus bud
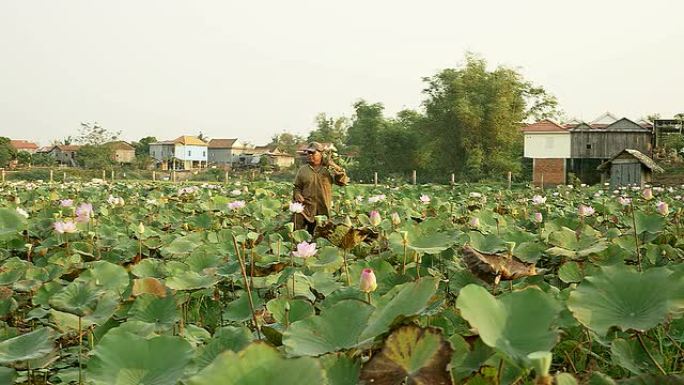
[[663, 208], [538, 217], [368, 282], [396, 220], [287, 305], [141, 228], [647, 194], [541, 362], [374, 217], [585, 211]]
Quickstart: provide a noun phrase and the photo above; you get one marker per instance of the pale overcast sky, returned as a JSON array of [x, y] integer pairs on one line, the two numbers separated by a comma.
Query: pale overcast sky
[[249, 69]]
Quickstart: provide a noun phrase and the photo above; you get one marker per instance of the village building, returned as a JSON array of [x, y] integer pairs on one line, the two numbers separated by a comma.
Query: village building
[[24, 145], [122, 152], [182, 153], [225, 152]]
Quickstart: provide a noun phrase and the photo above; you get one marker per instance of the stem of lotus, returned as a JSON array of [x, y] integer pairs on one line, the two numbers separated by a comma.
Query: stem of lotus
[[674, 342], [368, 295], [80, 351], [29, 372], [403, 265], [498, 372], [287, 318], [346, 268], [643, 346], [636, 237], [249, 290], [251, 266], [278, 250]]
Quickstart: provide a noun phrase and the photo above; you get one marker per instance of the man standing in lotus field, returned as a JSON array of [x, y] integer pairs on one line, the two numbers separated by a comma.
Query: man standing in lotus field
[[313, 186]]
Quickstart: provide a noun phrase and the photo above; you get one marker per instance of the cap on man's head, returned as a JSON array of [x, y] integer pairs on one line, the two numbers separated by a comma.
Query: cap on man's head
[[315, 146]]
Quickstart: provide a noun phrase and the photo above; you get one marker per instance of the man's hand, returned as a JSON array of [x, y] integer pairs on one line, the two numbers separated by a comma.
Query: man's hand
[[298, 198]]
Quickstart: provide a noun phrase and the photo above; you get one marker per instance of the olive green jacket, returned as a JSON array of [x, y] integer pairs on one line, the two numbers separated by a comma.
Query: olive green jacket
[[313, 187]]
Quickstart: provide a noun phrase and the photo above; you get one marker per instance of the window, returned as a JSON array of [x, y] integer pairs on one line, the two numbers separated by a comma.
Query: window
[[189, 153], [588, 146], [204, 153]]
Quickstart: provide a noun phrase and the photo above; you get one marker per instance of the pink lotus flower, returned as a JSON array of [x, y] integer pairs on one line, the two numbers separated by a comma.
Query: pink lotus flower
[[115, 201], [585, 211], [425, 199], [538, 217], [66, 202], [624, 201], [663, 208], [368, 283], [84, 212], [474, 222], [67, 226], [305, 250], [647, 194], [236, 205], [396, 219], [375, 218], [296, 207], [538, 200]]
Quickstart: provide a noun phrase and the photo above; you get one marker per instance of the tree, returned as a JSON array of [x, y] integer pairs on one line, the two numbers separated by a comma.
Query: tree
[[473, 119], [365, 138], [142, 147], [96, 135], [95, 156], [7, 151], [286, 142], [43, 159], [330, 130]]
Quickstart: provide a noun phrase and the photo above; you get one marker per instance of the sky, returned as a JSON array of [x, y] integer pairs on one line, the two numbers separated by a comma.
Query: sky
[[252, 69]]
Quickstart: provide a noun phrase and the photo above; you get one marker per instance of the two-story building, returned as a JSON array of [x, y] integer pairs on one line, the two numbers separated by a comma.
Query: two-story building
[[548, 144], [226, 152], [182, 153]]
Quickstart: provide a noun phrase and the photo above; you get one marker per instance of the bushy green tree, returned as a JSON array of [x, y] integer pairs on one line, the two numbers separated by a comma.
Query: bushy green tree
[[7, 151], [330, 130], [95, 156], [286, 142], [142, 147]]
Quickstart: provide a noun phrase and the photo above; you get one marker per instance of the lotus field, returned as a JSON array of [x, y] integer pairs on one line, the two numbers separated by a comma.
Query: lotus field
[[164, 284]]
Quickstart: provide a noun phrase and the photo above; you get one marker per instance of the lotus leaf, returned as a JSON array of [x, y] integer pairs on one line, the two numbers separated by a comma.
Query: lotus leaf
[[411, 355], [29, 346], [341, 369], [516, 323], [622, 297], [260, 364], [11, 223], [226, 338], [123, 359]]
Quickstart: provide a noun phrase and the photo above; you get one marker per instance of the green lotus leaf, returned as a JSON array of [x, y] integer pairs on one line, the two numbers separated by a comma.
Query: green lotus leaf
[[565, 379], [341, 369], [299, 309], [11, 224], [567, 245], [226, 338], [7, 375], [649, 379], [529, 252], [328, 259], [488, 243], [190, 280], [412, 355], [622, 297], [516, 323], [598, 378], [155, 310], [421, 242], [107, 276], [29, 346], [149, 268], [78, 298], [631, 356], [570, 272], [260, 364], [239, 311], [336, 328], [404, 300], [649, 223], [127, 359]]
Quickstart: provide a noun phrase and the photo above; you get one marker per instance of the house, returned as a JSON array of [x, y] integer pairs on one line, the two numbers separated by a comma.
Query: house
[[577, 147], [24, 145], [252, 156], [182, 153], [64, 154], [122, 151], [548, 144], [226, 151], [279, 158], [629, 167]]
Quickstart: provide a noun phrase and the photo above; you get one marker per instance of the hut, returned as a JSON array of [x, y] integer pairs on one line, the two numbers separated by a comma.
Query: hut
[[628, 167]]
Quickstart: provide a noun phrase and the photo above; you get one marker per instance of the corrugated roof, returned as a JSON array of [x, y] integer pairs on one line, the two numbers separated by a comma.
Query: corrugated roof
[[546, 125], [222, 143], [121, 145], [67, 147], [23, 145], [604, 119], [645, 160]]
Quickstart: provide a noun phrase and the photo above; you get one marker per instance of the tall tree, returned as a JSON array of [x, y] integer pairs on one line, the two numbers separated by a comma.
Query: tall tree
[[95, 134], [330, 130], [286, 142], [365, 137], [142, 147], [7, 151], [95, 156], [473, 118]]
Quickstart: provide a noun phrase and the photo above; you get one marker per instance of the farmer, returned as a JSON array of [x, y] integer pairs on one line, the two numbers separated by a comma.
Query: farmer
[[313, 186]]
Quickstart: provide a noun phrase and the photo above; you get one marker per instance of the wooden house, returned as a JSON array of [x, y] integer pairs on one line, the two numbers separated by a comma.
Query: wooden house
[[226, 151], [65, 154], [628, 167], [122, 152]]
